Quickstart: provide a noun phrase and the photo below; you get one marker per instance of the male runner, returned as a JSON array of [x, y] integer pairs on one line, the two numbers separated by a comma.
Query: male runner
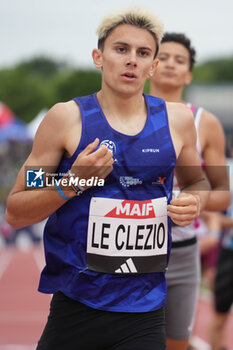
[[176, 58], [107, 247]]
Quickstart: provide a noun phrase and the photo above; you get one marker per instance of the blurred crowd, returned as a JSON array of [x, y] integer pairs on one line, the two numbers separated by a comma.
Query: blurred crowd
[[15, 145]]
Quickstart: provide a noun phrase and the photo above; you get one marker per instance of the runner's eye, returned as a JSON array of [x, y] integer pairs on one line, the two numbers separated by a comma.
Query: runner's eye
[[162, 58], [121, 49], [180, 61], [143, 53]]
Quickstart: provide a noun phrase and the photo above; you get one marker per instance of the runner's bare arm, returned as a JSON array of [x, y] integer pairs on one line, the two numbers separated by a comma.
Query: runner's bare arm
[[58, 134], [194, 187], [215, 162]]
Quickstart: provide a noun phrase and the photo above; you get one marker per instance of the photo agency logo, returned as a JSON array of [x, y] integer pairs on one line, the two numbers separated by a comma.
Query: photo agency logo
[[39, 179], [35, 178]]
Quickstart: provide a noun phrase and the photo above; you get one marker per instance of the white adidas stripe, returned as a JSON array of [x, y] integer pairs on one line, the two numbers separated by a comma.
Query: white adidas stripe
[[131, 265], [124, 268], [127, 267]]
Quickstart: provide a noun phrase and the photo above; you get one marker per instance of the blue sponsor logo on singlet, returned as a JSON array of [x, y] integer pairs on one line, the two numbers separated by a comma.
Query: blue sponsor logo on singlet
[[111, 146]]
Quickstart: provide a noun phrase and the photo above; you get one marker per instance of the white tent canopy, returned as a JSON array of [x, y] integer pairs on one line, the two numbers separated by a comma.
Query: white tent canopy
[[34, 124]]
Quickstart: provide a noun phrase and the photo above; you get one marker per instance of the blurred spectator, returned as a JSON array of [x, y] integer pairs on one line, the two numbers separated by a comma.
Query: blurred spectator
[[15, 145], [210, 246]]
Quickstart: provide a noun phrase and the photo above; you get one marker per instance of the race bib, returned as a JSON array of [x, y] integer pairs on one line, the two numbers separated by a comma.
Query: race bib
[[126, 236]]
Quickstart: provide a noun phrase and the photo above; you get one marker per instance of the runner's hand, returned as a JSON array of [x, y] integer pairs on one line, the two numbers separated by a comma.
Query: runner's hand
[[93, 162], [184, 209]]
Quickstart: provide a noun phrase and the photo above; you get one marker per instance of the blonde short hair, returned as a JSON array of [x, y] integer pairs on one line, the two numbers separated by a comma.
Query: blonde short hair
[[137, 17]]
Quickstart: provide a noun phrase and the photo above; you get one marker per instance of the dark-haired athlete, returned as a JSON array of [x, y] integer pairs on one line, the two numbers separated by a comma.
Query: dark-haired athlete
[[176, 60]]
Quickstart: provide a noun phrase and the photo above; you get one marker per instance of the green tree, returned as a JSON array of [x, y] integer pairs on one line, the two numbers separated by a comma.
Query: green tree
[[217, 70], [42, 66], [72, 83], [22, 92]]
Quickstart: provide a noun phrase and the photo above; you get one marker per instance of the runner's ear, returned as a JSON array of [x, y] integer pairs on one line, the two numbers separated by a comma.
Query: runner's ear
[[97, 58], [152, 68], [188, 78]]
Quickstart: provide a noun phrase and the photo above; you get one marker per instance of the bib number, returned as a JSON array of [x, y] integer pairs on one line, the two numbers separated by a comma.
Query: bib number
[[126, 236]]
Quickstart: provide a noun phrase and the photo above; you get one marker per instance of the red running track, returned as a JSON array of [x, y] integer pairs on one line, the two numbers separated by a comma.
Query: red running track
[[23, 310]]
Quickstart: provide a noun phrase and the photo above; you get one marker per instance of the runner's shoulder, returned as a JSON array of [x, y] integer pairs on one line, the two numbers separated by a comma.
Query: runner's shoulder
[[60, 122], [179, 115], [63, 115], [209, 120]]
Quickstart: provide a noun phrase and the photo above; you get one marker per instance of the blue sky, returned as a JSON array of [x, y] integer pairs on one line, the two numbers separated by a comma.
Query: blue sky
[[66, 29]]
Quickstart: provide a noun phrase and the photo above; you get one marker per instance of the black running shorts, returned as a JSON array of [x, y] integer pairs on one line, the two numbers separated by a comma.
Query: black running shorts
[[75, 326], [223, 290]]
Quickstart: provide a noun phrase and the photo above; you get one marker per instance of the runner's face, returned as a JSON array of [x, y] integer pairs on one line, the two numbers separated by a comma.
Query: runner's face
[[127, 59], [173, 67]]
